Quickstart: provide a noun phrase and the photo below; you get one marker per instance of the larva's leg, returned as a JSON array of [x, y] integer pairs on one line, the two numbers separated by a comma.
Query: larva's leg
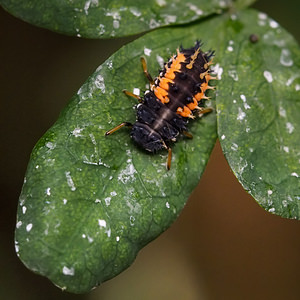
[[130, 94], [204, 111], [127, 124], [169, 159], [187, 134], [145, 69]]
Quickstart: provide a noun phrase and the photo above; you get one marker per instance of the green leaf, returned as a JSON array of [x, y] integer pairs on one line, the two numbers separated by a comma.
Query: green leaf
[[258, 105], [110, 18], [89, 203], [240, 4]]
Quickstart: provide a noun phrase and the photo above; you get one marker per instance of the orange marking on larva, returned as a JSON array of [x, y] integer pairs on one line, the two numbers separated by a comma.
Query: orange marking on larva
[[164, 83], [175, 66], [209, 77], [193, 105], [204, 86], [170, 73], [161, 94], [199, 96], [184, 112]]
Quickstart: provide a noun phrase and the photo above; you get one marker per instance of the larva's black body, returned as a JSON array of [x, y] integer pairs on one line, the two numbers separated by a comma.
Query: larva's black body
[[156, 124], [165, 109]]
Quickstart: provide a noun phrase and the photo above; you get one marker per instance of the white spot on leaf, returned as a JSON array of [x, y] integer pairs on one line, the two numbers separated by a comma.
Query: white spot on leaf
[[222, 3], [101, 29], [234, 147], [286, 149], [136, 91], [116, 24], [170, 19], [19, 224], [88, 4], [262, 16], [273, 24], [102, 223], [29, 227], [218, 70], [128, 173], [241, 115], [195, 9], [289, 127], [233, 74], [68, 271], [147, 51], [135, 11], [50, 145], [76, 132], [161, 2], [99, 83], [107, 201], [282, 112], [17, 248], [153, 23], [243, 97], [48, 191], [70, 181], [108, 232], [291, 79], [285, 58], [131, 220], [268, 76]]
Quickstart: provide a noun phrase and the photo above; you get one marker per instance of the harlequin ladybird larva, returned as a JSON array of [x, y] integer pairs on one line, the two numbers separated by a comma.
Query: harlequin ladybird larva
[[164, 110]]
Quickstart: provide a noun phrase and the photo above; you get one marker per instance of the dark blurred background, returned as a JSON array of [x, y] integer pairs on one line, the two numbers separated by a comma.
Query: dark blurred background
[[223, 246]]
